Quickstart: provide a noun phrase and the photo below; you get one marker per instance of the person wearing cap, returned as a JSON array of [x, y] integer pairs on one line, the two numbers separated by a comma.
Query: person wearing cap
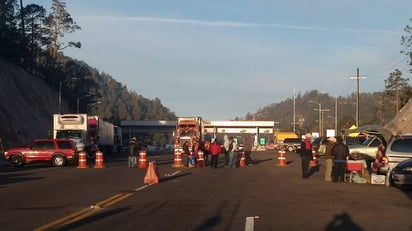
[[306, 155], [329, 158], [133, 151]]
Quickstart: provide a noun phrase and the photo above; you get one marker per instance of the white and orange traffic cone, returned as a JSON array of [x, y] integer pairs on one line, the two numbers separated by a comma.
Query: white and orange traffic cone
[[313, 162], [178, 161], [82, 160], [142, 159], [281, 160], [242, 161], [99, 163], [200, 159]]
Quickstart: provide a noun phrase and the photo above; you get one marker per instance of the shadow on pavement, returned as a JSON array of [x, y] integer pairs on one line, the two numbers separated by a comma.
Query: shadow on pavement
[[342, 222]]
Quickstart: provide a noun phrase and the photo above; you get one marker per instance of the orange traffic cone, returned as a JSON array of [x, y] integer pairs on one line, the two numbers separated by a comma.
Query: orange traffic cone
[[99, 160], [200, 159], [281, 161], [82, 160], [152, 174], [242, 161], [178, 161], [313, 162], [142, 159]]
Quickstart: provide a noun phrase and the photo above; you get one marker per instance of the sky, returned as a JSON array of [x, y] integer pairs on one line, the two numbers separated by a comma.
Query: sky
[[222, 59]]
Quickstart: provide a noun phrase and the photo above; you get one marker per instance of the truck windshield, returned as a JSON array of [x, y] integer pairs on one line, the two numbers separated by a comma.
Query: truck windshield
[[69, 134]]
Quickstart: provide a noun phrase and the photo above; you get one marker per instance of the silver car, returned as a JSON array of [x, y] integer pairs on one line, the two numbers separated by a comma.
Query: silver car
[[369, 147], [399, 149]]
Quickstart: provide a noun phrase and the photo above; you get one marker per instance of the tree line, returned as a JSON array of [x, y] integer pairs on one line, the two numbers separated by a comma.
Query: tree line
[[32, 38]]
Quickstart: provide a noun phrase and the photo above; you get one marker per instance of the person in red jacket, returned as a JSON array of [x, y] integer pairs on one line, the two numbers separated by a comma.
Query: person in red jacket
[[214, 151]]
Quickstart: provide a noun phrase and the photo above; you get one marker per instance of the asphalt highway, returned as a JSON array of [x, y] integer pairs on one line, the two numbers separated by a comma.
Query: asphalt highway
[[259, 197]]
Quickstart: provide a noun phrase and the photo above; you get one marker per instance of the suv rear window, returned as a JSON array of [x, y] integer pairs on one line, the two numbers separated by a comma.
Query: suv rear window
[[64, 145], [402, 145]]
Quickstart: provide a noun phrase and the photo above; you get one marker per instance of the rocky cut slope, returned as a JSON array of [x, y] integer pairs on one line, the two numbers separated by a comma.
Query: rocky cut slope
[[27, 105]]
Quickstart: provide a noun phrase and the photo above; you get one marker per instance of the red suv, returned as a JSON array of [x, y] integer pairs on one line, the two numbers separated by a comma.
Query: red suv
[[56, 151]]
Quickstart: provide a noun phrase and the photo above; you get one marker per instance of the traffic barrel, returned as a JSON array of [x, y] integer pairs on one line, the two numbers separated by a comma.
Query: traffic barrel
[[281, 160], [152, 174], [82, 160], [142, 159], [99, 163], [242, 161], [178, 161], [313, 162], [201, 159]]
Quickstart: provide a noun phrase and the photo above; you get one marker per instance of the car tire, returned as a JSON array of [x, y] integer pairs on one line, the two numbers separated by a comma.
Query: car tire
[[16, 161], [290, 148], [59, 161]]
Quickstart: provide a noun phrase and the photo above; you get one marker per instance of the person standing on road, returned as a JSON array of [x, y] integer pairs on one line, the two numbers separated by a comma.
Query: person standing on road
[[214, 151], [306, 155], [226, 144], [232, 153], [340, 153], [186, 153], [133, 150], [248, 150], [329, 159], [206, 150]]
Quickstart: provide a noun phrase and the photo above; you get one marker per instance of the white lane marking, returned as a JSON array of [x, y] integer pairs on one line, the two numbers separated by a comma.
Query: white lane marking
[[175, 173], [141, 188], [250, 223]]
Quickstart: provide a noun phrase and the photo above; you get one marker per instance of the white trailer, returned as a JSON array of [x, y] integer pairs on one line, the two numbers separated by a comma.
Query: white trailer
[[90, 133]]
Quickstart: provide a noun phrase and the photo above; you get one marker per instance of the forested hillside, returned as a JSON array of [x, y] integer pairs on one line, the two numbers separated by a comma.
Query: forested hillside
[[373, 109]]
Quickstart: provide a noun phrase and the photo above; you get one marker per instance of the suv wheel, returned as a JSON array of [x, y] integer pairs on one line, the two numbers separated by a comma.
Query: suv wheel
[[16, 161], [59, 161], [290, 148]]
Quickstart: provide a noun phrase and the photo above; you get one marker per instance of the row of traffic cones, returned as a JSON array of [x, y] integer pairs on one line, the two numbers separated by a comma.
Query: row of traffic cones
[[99, 162], [281, 160]]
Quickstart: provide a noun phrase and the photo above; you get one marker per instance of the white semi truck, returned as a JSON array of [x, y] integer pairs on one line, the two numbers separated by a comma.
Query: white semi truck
[[90, 133]]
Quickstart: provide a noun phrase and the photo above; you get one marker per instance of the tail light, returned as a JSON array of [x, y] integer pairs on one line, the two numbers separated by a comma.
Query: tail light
[[385, 160]]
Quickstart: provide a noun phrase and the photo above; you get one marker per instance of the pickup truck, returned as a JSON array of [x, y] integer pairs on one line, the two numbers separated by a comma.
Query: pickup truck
[[56, 151]]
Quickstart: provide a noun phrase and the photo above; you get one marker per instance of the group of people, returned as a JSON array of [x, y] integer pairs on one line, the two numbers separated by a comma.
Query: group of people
[[230, 149], [336, 154]]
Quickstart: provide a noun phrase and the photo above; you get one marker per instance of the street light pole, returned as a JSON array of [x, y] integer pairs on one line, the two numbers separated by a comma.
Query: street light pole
[[92, 104], [320, 116], [78, 101]]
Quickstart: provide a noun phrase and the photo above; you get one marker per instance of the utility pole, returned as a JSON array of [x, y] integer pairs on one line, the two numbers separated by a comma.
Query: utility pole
[[357, 95], [294, 111]]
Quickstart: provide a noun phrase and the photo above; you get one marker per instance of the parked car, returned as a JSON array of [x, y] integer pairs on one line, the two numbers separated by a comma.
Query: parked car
[[398, 149], [401, 174], [368, 148], [292, 144], [357, 140], [319, 145], [56, 151]]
